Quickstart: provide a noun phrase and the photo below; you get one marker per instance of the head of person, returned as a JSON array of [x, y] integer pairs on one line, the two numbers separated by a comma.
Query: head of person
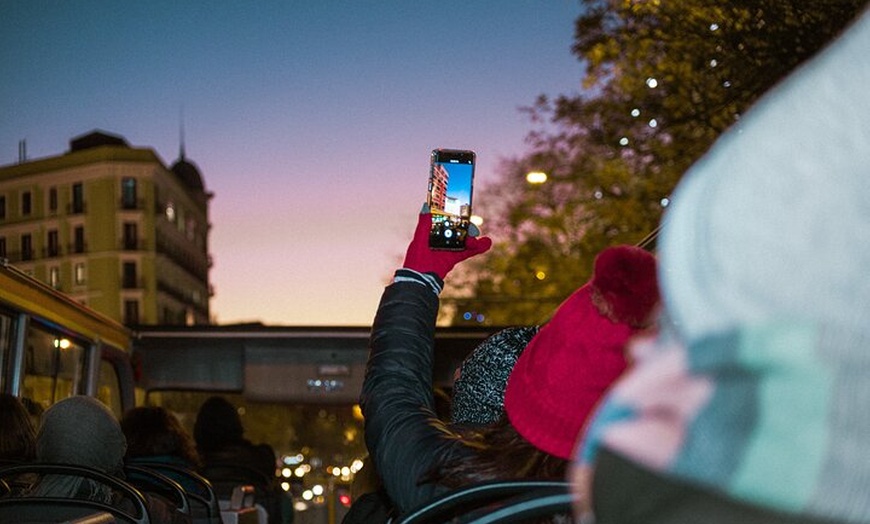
[[571, 362], [153, 431], [763, 257], [81, 431], [34, 409], [217, 425], [17, 432], [556, 378], [478, 389]]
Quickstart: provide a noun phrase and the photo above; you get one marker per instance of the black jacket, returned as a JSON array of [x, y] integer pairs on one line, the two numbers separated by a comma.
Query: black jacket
[[403, 434]]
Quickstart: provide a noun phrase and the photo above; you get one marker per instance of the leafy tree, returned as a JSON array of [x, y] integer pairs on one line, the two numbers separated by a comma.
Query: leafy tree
[[662, 81]]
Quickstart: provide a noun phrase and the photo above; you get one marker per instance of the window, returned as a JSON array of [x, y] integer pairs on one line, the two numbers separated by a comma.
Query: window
[[170, 211], [128, 193], [26, 247], [191, 228], [180, 218], [109, 387], [3, 247], [131, 312], [129, 276], [53, 243], [78, 198], [79, 273], [54, 277], [52, 200], [131, 236], [7, 341], [2, 207], [79, 239], [26, 203], [55, 366]]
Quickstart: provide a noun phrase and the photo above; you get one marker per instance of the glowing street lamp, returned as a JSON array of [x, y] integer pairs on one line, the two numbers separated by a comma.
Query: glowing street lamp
[[536, 177]]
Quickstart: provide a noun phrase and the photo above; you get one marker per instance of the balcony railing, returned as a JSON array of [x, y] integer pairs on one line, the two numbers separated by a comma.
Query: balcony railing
[[132, 283], [51, 251], [192, 264], [131, 204], [76, 208], [19, 256], [77, 248], [128, 244], [181, 296]]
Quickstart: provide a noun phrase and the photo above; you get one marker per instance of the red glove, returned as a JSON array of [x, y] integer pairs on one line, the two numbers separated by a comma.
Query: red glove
[[420, 257]]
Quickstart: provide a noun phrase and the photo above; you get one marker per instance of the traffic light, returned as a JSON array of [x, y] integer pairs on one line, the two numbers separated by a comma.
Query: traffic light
[[342, 495]]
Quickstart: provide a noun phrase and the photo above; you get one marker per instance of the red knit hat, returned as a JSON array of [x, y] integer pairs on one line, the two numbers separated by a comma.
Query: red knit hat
[[576, 356]]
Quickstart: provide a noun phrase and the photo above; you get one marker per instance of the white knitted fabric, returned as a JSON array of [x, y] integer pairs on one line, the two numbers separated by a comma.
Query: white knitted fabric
[[775, 221]]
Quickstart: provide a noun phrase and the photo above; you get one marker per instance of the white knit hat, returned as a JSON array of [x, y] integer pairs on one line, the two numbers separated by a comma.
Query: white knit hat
[[775, 221]]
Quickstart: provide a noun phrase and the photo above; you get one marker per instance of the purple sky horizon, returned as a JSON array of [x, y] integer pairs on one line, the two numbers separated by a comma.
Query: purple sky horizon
[[311, 122]]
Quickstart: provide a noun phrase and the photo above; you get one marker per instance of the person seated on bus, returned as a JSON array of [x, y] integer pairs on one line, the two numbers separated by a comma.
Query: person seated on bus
[[477, 400], [17, 431], [34, 409], [229, 459], [556, 380], [480, 381], [82, 431], [155, 436], [751, 405]]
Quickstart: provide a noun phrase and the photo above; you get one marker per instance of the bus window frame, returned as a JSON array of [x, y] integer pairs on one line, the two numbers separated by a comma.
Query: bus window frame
[[30, 304]]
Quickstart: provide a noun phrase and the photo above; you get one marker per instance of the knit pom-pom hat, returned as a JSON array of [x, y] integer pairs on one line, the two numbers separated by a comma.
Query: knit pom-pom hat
[[82, 431], [576, 356], [478, 393]]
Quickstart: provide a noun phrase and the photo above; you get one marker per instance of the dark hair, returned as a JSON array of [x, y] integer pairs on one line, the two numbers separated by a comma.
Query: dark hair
[[153, 431], [217, 425], [443, 400], [490, 445], [17, 434]]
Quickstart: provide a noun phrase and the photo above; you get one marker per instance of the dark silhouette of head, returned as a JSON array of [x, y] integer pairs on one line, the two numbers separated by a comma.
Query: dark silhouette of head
[[17, 433], [153, 431], [217, 425]]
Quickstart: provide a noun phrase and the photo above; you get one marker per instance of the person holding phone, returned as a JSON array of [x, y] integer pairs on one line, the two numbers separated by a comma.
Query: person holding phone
[[568, 363]]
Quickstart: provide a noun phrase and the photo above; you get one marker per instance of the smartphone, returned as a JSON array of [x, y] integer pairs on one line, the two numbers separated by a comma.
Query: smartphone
[[451, 180]]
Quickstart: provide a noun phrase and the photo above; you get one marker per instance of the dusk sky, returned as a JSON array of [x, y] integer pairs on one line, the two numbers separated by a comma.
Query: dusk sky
[[311, 121]]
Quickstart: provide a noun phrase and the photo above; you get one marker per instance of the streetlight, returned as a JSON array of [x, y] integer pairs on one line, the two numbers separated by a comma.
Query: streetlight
[[536, 177]]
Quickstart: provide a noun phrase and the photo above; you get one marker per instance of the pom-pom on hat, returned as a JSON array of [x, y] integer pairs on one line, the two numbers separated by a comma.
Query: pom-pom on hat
[[576, 356]]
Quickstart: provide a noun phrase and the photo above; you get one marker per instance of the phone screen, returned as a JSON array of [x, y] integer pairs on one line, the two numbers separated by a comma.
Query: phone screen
[[451, 179]]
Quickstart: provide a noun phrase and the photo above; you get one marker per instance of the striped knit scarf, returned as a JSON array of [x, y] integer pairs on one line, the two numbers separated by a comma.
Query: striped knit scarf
[[775, 415]]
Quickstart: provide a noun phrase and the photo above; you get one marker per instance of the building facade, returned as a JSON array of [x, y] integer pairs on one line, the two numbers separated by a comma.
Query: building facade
[[112, 226]]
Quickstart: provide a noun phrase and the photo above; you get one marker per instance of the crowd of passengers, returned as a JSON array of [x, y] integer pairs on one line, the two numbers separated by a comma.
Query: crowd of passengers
[[723, 380], [82, 431]]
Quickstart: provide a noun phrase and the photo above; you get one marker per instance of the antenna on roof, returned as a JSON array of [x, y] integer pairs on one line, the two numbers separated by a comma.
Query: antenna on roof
[[22, 151], [181, 132]]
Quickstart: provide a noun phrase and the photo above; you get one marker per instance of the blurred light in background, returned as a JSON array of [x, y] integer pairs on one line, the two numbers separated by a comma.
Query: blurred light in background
[[536, 177]]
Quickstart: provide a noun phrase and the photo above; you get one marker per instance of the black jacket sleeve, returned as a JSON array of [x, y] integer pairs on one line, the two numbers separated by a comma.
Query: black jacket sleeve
[[402, 432]]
